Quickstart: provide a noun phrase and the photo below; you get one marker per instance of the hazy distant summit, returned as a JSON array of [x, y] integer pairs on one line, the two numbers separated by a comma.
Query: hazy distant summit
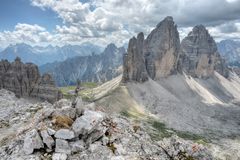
[[41, 55]]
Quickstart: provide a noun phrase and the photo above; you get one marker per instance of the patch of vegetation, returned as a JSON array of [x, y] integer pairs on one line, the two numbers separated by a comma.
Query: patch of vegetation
[[86, 85], [125, 113], [112, 147], [62, 122], [190, 136], [159, 131]]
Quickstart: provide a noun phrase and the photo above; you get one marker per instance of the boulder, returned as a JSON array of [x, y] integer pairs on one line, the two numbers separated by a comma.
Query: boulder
[[47, 139], [59, 156], [32, 141], [64, 134], [51, 132], [85, 124], [62, 146], [77, 146], [67, 111]]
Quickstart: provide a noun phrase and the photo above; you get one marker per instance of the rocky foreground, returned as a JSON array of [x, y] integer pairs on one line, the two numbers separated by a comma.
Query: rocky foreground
[[61, 132]]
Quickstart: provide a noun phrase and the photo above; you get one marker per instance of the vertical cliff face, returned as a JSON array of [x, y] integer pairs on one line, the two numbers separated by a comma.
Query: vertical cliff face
[[161, 49], [154, 57], [199, 56], [161, 54], [134, 64], [25, 81]]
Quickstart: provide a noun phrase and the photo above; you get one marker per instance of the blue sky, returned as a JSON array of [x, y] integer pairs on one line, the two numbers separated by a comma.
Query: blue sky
[[59, 22], [21, 11]]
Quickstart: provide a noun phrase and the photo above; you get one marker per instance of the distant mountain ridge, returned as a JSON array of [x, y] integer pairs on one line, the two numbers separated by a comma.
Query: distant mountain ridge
[[230, 51], [41, 55], [92, 68]]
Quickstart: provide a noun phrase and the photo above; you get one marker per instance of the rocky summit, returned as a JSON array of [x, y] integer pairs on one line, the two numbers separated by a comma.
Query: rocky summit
[[25, 81], [161, 54], [199, 56], [154, 57]]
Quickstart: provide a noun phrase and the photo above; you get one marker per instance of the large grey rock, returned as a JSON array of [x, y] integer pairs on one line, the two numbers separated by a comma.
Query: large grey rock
[[25, 81], [62, 146], [199, 56], [77, 146], [32, 141], [59, 156], [88, 122], [67, 111], [64, 134], [47, 139]]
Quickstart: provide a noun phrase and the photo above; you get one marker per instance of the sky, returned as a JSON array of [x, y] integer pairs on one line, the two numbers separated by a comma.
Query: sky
[[60, 22]]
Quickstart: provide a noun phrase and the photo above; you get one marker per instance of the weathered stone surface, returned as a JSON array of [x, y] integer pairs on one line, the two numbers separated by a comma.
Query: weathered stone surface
[[155, 57], [87, 123], [62, 146], [51, 132], [65, 111], [59, 156], [134, 62], [25, 81], [77, 146], [199, 56], [161, 49], [64, 134], [47, 139], [32, 141]]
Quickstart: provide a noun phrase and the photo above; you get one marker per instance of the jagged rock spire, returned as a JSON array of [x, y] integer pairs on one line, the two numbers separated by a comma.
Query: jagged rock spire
[[134, 63], [162, 47], [198, 54]]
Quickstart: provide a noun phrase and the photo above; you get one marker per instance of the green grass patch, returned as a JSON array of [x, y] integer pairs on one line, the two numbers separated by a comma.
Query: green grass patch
[[86, 85]]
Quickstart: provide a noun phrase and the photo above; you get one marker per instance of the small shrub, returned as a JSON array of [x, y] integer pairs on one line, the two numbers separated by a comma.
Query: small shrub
[[136, 128], [112, 147], [62, 121]]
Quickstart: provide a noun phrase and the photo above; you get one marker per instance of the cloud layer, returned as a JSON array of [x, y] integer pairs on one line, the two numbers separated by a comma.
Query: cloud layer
[[105, 21]]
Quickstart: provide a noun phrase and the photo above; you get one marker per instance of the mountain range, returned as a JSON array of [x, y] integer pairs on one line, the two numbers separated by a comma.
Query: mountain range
[[230, 51], [41, 55], [92, 68]]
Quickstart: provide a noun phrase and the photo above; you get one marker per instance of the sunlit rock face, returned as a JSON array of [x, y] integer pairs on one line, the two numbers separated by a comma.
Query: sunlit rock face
[[154, 57], [199, 56], [161, 49]]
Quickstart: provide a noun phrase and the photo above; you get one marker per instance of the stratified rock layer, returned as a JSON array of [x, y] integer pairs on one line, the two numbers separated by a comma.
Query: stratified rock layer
[[199, 56], [25, 81]]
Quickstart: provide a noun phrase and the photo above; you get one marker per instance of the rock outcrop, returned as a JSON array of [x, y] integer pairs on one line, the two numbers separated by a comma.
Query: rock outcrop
[[154, 57], [162, 55], [134, 62], [199, 56], [25, 81], [161, 49], [93, 135]]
